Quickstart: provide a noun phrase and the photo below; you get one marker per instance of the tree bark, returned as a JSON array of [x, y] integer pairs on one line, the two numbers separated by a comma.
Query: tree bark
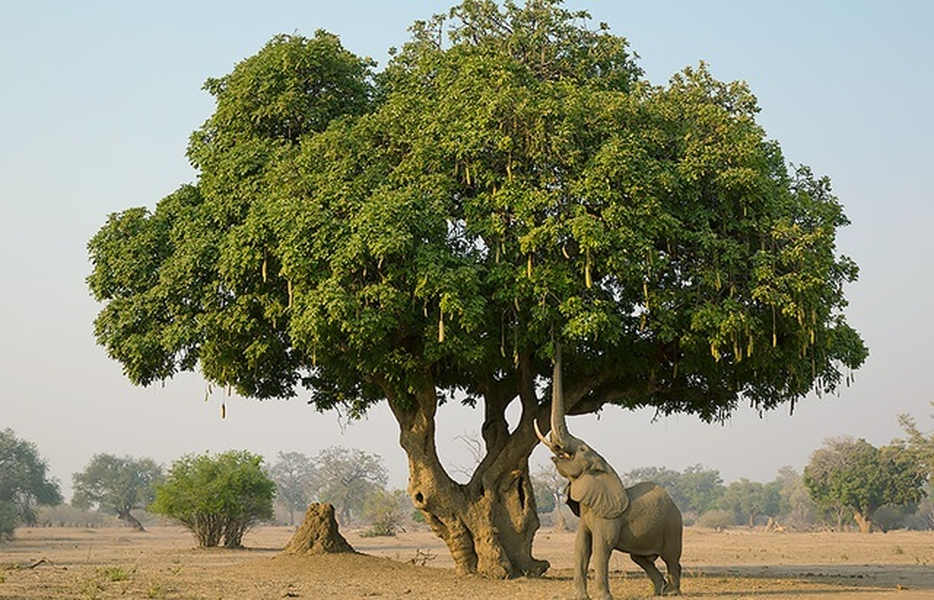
[[127, 517], [488, 523], [863, 521]]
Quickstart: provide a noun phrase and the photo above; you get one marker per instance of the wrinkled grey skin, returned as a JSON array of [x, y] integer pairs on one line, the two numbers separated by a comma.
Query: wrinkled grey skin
[[641, 520]]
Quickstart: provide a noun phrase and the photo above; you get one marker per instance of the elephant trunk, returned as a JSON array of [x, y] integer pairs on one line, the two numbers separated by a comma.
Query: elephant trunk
[[558, 439], [559, 429]]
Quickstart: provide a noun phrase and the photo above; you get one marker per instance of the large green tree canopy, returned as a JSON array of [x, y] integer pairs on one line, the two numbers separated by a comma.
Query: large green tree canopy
[[501, 192], [509, 180]]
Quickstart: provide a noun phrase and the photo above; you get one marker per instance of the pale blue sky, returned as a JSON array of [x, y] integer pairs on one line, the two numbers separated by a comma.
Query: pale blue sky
[[97, 100]]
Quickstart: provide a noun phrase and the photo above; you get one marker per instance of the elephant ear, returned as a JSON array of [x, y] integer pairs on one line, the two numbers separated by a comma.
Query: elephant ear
[[602, 492]]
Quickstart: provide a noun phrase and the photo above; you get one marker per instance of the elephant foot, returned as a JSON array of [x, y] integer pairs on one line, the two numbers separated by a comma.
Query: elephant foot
[[537, 568]]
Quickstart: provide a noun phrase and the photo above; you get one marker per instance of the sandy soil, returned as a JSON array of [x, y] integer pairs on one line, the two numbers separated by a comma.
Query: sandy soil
[[163, 563]]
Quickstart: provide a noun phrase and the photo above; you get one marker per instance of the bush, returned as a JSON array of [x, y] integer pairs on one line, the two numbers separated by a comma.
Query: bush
[[217, 498], [8, 517], [386, 512], [892, 516], [716, 519]]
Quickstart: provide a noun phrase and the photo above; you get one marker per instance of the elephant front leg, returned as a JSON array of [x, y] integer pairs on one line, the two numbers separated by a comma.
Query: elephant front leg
[[582, 549], [602, 549], [605, 533]]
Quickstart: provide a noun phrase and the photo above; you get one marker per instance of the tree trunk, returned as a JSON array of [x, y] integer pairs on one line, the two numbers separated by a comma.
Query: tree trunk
[[488, 523], [127, 517], [343, 514], [863, 521], [561, 521]]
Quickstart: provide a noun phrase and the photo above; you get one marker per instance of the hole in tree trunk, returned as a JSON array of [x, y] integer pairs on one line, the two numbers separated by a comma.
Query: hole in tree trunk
[[521, 491], [419, 498], [513, 415]]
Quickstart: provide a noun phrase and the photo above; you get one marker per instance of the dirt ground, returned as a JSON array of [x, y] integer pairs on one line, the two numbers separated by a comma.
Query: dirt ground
[[164, 563]]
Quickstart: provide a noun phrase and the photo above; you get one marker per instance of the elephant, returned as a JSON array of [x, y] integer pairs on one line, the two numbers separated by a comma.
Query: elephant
[[641, 520]]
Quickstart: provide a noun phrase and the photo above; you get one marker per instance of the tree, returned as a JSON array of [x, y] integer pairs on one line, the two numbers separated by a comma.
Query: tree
[[924, 518], [24, 484], [696, 490], [346, 478], [217, 498], [117, 485], [663, 476], [700, 489], [919, 443], [795, 505], [507, 182], [748, 500], [550, 489], [853, 474], [296, 481]]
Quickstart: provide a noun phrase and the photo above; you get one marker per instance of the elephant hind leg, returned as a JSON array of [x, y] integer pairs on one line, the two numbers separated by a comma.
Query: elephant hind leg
[[648, 565], [674, 577]]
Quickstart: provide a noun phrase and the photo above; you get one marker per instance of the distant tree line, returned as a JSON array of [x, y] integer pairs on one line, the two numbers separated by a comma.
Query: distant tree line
[[217, 497], [847, 482], [705, 500]]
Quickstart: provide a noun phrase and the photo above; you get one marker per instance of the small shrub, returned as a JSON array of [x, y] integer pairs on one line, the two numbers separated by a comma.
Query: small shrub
[[114, 573], [159, 590], [91, 589], [217, 498], [716, 519], [386, 512]]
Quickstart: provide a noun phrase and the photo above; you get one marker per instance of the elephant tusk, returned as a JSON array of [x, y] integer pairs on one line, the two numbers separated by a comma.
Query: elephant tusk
[[542, 438]]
